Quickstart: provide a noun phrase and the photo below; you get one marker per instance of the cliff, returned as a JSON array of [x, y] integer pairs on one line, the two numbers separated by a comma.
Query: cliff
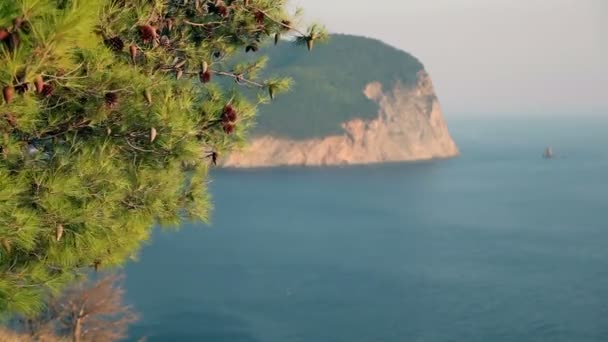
[[408, 126]]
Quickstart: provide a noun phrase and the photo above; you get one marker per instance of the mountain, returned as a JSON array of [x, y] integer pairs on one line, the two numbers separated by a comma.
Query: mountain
[[356, 100]]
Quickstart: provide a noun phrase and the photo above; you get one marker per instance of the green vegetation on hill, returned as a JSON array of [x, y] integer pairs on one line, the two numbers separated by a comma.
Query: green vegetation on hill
[[329, 84]]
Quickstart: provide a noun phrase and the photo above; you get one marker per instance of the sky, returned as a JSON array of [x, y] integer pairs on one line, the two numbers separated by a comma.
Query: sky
[[491, 56]]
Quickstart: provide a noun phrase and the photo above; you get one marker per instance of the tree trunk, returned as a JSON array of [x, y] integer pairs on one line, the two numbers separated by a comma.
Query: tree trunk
[[77, 330]]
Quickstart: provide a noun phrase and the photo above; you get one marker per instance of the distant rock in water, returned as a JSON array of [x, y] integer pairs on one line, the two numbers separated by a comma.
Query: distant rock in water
[[548, 154], [395, 114]]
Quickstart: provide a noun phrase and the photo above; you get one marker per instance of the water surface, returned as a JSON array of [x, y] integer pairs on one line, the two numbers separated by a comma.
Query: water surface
[[497, 245]]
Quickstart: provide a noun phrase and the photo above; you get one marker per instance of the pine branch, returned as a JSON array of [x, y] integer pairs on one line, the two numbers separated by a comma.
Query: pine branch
[[211, 23], [238, 78], [138, 148], [276, 21], [75, 73]]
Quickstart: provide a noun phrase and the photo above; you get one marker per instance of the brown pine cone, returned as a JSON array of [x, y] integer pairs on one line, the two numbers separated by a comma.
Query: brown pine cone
[[115, 43], [111, 100]]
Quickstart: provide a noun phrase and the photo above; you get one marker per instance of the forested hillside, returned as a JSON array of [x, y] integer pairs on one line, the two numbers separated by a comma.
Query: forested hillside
[[329, 84]]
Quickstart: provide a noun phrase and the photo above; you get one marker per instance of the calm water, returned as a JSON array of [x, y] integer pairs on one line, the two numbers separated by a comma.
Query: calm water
[[497, 245]]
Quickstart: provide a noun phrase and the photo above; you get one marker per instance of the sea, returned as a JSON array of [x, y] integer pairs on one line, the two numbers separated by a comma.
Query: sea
[[496, 245]]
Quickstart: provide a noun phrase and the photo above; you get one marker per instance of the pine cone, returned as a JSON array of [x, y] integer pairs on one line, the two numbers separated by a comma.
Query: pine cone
[[3, 34], [165, 41], [39, 83], [115, 43], [285, 25], [22, 88], [229, 114], [148, 96], [8, 93], [218, 8], [24, 26], [260, 17], [59, 232], [47, 90], [133, 51], [111, 99], [169, 24], [205, 77], [252, 47], [153, 134], [222, 11], [148, 33], [310, 43], [228, 127], [12, 41]]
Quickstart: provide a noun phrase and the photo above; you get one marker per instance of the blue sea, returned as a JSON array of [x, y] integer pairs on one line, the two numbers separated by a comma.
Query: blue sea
[[496, 245]]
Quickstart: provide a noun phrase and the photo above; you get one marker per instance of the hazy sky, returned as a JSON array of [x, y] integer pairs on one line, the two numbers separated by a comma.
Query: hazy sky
[[492, 56]]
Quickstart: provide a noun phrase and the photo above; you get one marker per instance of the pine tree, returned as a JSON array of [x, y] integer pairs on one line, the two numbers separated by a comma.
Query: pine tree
[[113, 112], [88, 310]]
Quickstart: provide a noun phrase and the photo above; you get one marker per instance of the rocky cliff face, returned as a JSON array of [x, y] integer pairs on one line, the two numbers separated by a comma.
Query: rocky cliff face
[[409, 127]]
